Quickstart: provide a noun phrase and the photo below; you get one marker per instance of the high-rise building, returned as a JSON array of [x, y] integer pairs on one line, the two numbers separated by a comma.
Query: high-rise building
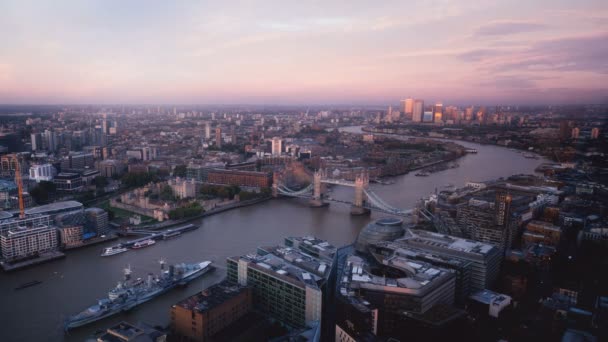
[[277, 146], [36, 139], [288, 291], [595, 133], [575, 133], [207, 131], [51, 140], [438, 113], [407, 107], [218, 137], [428, 116], [417, 111]]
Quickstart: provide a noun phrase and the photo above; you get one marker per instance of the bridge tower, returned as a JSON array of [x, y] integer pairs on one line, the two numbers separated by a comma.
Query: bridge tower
[[361, 183], [318, 189], [276, 179]]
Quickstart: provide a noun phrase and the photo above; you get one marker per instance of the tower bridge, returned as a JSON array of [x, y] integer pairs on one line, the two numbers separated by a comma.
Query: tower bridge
[[363, 202]]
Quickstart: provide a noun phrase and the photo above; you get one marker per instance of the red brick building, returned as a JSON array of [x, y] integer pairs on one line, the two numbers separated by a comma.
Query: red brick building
[[240, 178]]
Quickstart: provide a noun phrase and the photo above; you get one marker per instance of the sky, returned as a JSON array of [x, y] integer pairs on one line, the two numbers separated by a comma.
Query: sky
[[303, 52]]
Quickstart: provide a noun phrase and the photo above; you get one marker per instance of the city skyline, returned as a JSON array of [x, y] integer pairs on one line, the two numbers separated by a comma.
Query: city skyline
[[291, 54]]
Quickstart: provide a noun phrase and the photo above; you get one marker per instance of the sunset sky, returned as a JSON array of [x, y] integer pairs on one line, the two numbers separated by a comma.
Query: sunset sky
[[303, 52]]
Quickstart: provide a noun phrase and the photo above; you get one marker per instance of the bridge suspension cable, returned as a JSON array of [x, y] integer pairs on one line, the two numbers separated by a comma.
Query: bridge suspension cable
[[378, 202]]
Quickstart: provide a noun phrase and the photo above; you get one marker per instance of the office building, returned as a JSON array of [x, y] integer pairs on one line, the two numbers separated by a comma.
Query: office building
[[218, 137], [384, 229], [485, 258], [69, 182], [199, 173], [461, 268], [287, 285], [407, 107], [310, 245], [36, 140], [418, 111], [250, 179], [390, 297], [77, 161], [541, 232], [277, 146], [575, 133], [438, 113], [201, 316], [207, 131], [428, 116], [595, 133], [96, 221], [43, 172]]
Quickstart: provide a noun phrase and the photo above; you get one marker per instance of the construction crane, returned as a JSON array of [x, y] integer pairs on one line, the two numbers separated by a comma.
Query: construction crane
[[19, 186]]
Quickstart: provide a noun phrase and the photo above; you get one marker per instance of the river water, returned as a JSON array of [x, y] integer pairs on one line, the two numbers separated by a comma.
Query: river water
[[71, 284]]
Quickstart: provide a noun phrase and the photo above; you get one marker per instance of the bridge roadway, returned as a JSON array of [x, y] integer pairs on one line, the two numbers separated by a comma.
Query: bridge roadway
[[406, 213]]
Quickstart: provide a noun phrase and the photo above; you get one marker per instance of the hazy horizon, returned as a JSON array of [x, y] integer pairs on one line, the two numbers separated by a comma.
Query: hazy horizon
[[335, 53]]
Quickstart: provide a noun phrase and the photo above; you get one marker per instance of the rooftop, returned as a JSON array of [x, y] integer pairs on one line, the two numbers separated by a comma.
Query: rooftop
[[64, 205], [289, 264], [417, 277], [489, 297], [448, 242], [211, 297]]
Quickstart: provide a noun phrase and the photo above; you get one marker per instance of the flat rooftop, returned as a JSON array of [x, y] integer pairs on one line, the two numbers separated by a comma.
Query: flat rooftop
[[64, 205], [447, 242], [321, 247], [300, 259], [489, 297], [418, 276], [282, 268], [211, 297]]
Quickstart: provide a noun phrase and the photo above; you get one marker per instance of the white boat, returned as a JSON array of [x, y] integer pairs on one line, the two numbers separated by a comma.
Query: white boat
[[145, 243], [113, 250]]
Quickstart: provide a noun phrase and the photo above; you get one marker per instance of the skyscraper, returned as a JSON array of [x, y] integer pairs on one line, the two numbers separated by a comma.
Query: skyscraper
[[438, 113], [207, 131], [218, 137], [595, 133], [36, 141], [417, 110], [407, 107], [277, 146]]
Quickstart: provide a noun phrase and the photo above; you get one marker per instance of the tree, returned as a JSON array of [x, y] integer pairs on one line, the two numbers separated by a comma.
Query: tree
[[42, 192], [166, 193], [100, 182], [179, 171]]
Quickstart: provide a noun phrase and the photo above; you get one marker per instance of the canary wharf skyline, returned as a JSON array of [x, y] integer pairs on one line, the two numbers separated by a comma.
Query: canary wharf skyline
[[270, 52]]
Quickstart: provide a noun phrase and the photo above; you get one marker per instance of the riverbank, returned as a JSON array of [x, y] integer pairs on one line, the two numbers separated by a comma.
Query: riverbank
[[214, 211], [42, 258], [368, 129]]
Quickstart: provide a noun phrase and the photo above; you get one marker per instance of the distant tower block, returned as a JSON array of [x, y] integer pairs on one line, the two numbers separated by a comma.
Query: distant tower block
[[361, 183], [318, 190]]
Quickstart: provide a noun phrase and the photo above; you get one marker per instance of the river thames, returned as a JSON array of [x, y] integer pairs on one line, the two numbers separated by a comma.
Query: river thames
[[71, 284]]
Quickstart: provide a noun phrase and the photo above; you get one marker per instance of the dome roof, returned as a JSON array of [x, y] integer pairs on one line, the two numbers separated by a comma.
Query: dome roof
[[384, 229]]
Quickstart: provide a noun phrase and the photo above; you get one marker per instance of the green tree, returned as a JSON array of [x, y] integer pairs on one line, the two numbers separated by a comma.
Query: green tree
[[166, 193], [179, 171], [100, 182]]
